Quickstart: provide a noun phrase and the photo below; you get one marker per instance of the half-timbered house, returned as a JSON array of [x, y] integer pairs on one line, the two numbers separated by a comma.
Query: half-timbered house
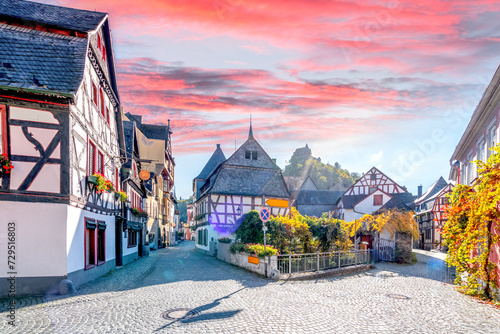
[[246, 181], [155, 145], [429, 214], [372, 192], [60, 122], [135, 217]]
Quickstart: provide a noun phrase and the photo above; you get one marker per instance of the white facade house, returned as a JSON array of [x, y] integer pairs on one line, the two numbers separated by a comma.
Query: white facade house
[[60, 124]]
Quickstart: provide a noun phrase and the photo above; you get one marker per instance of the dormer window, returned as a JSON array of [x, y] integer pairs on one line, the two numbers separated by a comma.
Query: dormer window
[[251, 155]]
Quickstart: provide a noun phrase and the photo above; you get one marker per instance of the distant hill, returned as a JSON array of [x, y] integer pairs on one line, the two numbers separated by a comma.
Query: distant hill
[[182, 206], [325, 176]]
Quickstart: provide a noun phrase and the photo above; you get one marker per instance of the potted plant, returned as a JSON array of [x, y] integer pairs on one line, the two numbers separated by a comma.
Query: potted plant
[[5, 165], [121, 195], [101, 183]]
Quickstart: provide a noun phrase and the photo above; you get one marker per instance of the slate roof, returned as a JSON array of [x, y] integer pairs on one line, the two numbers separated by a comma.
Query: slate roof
[[50, 15], [348, 201], [151, 131], [318, 197], [215, 160], [128, 131], [263, 159], [43, 61], [435, 188], [248, 182]]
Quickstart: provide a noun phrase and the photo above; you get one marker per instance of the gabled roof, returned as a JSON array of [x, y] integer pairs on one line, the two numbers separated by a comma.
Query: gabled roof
[[432, 190], [151, 131], [263, 160], [318, 197], [41, 61], [215, 160], [232, 180], [50, 15], [396, 202], [349, 201], [309, 184]]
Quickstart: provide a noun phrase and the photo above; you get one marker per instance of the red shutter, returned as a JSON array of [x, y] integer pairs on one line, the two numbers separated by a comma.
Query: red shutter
[[103, 52], [99, 41]]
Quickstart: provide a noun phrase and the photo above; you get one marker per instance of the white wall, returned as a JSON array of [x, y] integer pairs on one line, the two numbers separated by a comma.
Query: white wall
[[40, 238], [366, 205], [75, 238]]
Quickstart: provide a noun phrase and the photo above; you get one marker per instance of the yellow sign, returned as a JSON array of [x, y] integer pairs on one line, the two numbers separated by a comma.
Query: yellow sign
[[277, 203], [253, 259]]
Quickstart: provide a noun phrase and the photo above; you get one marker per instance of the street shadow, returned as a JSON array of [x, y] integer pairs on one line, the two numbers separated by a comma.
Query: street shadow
[[427, 266], [202, 315], [161, 267]]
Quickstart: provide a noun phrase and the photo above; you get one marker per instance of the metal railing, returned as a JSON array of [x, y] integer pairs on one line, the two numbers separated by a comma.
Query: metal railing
[[300, 263]]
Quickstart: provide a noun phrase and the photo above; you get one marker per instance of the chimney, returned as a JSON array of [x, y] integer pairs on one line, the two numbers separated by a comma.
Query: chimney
[[274, 160], [168, 123], [218, 145], [420, 191]]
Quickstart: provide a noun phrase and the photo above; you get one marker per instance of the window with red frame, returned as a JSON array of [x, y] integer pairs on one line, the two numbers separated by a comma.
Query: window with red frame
[[100, 162], [91, 158], [90, 227], [377, 199], [117, 180], [102, 107], [101, 243]]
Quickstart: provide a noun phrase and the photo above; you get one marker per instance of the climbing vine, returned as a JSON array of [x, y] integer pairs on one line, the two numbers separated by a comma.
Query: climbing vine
[[472, 229], [392, 220]]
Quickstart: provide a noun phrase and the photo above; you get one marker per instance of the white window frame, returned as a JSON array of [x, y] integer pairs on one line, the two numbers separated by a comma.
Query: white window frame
[[491, 136]]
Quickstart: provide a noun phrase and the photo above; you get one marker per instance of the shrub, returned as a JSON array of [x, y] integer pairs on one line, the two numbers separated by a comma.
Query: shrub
[[237, 247], [250, 230], [258, 249], [225, 240]]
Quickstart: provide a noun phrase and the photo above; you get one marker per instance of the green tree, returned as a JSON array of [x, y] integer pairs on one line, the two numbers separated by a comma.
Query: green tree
[[250, 230]]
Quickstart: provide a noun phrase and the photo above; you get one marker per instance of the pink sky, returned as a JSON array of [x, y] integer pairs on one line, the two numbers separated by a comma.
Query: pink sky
[[391, 85]]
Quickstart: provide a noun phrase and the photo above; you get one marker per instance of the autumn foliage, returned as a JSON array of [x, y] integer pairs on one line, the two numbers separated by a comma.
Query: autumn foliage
[[470, 232]]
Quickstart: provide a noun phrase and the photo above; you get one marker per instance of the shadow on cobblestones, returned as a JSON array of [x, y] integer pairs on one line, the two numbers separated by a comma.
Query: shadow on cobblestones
[[427, 266], [163, 266]]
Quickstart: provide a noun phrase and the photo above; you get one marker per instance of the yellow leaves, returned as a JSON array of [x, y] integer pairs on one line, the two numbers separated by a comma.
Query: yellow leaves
[[392, 221], [467, 232]]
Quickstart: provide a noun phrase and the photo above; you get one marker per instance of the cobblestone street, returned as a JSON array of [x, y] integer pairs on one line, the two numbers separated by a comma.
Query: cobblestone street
[[216, 297]]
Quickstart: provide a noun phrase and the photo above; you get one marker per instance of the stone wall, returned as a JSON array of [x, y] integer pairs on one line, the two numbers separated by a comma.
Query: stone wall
[[403, 247], [242, 260]]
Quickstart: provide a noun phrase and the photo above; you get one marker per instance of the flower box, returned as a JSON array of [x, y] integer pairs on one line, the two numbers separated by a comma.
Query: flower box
[[92, 179]]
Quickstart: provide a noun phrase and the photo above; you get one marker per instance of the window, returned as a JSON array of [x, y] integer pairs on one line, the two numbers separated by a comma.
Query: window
[[94, 94], [3, 129], [117, 179], [100, 162], [251, 155], [107, 115], [492, 138], [90, 259], [480, 151], [132, 238], [377, 199], [470, 168], [91, 158], [102, 107], [101, 243], [373, 177]]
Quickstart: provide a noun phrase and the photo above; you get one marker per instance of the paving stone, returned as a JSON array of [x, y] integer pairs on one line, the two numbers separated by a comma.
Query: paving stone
[[228, 299]]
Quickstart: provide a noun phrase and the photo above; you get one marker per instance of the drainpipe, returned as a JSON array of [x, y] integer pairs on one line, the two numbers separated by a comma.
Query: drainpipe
[[455, 165]]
